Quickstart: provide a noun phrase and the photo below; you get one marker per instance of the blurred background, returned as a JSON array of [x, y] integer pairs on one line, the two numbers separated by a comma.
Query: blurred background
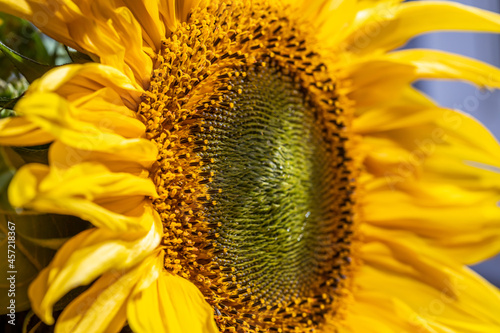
[[482, 105]]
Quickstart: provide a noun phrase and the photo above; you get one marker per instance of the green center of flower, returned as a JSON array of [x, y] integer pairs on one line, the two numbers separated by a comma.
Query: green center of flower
[[278, 199], [271, 166]]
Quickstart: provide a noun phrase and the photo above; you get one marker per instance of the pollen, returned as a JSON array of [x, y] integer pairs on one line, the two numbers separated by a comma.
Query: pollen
[[253, 173]]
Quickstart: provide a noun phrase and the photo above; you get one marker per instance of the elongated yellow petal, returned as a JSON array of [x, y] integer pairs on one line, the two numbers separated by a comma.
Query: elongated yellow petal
[[185, 7], [414, 18], [170, 13], [433, 126], [456, 135], [466, 227], [18, 131], [393, 117], [50, 18], [332, 18], [57, 116], [176, 11], [441, 197], [408, 270], [386, 77], [379, 81], [370, 14], [374, 312], [148, 14], [411, 108], [89, 107], [79, 191], [63, 156], [170, 304], [420, 156], [87, 256], [104, 29], [75, 81], [116, 37], [376, 5], [431, 64], [102, 308]]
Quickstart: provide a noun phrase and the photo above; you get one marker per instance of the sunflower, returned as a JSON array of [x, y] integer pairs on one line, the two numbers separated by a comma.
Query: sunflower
[[259, 166]]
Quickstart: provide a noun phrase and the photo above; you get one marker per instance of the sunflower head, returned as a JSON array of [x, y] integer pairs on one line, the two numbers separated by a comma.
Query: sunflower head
[[254, 178], [240, 162]]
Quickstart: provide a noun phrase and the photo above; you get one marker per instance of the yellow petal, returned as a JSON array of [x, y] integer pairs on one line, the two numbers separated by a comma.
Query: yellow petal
[[452, 205], [374, 312], [102, 308], [148, 16], [400, 266], [18, 131], [385, 78], [63, 156], [378, 81], [184, 7], [79, 191], [57, 116], [103, 29], [414, 18], [413, 122], [332, 18], [170, 304], [413, 146], [176, 11], [460, 222], [74, 81], [87, 256], [89, 107], [369, 11], [412, 108], [115, 35], [431, 64], [427, 160], [101, 108], [49, 17]]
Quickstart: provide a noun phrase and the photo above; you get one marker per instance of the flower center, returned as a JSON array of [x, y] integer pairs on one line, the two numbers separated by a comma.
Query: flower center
[[253, 172], [272, 181]]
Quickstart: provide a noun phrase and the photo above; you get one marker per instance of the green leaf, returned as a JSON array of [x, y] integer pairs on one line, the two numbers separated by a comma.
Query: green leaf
[[5, 113], [32, 234], [71, 295], [51, 243], [8, 104], [77, 57], [23, 37], [36, 154], [27, 320], [31, 69]]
